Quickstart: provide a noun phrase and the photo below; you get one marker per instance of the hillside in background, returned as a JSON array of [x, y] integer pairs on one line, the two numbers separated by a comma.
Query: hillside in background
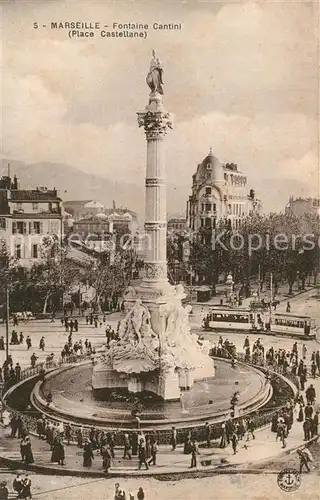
[[74, 184]]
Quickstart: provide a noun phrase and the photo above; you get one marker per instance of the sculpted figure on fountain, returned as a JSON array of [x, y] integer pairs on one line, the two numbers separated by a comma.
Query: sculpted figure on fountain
[[137, 350]]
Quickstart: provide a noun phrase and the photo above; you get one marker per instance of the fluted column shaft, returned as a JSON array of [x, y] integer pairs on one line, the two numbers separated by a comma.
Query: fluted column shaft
[[155, 121]]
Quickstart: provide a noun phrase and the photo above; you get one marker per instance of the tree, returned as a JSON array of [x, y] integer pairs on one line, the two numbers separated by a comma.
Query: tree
[[282, 244], [54, 274], [110, 276]]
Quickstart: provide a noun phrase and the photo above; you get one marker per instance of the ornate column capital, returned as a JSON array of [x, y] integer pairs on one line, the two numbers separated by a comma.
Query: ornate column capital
[[155, 123]]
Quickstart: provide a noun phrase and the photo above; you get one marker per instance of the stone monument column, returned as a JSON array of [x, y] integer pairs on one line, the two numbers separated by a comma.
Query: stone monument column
[[156, 122]]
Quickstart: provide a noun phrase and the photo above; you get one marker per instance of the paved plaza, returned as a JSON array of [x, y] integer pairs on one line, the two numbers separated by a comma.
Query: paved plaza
[[250, 456]]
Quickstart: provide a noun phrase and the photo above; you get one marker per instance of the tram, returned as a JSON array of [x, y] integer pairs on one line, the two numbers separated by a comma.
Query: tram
[[293, 325], [228, 319], [247, 320]]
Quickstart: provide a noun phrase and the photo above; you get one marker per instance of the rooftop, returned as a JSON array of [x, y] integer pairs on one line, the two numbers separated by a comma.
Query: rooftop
[[34, 195]]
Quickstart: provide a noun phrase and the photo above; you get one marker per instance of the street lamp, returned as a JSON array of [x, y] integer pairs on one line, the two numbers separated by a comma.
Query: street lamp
[[230, 283], [5, 261]]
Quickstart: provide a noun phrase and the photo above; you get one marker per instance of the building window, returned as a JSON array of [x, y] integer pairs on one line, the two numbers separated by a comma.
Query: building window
[[208, 166], [202, 207], [208, 207], [37, 227], [54, 227], [2, 223], [225, 177], [208, 190], [17, 252], [35, 206], [214, 223], [202, 222], [19, 206], [34, 251], [19, 227], [214, 207], [208, 222]]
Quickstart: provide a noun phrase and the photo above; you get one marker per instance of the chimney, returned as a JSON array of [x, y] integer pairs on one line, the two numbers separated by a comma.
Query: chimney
[[113, 204], [15, 182]]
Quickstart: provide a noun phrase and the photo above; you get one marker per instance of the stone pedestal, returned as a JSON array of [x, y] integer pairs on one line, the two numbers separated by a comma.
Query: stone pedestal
[[168, 387]]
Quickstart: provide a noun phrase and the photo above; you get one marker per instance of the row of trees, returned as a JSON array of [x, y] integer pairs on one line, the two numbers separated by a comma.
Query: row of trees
[[56, 274], [282, 244]]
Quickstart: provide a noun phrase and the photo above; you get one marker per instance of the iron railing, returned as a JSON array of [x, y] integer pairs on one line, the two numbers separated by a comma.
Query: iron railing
[[260, 417]]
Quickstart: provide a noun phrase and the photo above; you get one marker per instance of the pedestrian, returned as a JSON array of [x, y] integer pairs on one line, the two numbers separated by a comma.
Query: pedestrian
[[87, 454], [76, 325], [17, 370], [250, 429], [304, 460], [303, 380], [288, 309], [79, 438], [33, 360], [308, 411], [127, 447], [194, 453], [311, 394], [173, 438], [187, 443], [58, 454], [26, 492], [2, 347], [28, 451], [154, 451], [234, 442], [67, 432], [41, 428], [140, 494], [304, 351], [17, 484], [20, 427], [223, 436], [42, 344], [13, 425], [110, 442], [315, 424], [106, 458], [28, 342], [281, 432], [307, 427], [142, 454]]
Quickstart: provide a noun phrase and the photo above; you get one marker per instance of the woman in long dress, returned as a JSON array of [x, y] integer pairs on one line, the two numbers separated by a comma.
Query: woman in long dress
[[6, 417], [87, 454], [58, 454], [28, 455]]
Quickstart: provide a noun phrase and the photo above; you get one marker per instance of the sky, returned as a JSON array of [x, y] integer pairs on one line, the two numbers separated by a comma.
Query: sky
[[241, 77]]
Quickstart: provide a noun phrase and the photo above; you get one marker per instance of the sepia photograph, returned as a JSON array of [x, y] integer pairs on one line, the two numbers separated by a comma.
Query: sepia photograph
[[159, 250]]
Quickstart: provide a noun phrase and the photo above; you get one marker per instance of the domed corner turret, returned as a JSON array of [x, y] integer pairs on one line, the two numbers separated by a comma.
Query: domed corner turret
[[211, 165]]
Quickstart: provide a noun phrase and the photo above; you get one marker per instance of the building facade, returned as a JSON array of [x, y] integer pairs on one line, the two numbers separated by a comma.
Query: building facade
[[302, 206], [177, 225], [26, 217], [80, 209], [219, 192]]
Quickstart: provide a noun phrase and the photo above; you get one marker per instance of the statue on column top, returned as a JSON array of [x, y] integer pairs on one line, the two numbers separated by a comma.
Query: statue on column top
[[154, 77]]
